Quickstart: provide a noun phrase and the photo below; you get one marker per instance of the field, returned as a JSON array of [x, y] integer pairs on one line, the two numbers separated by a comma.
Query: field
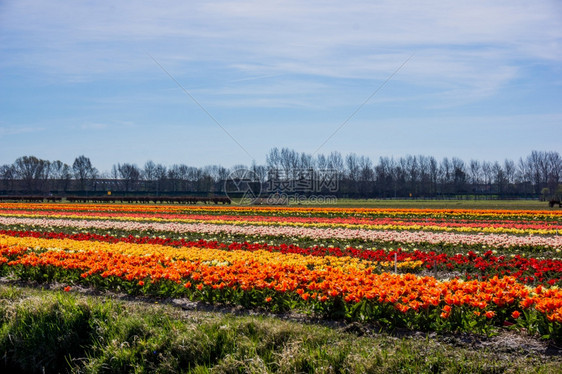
[[373, 286], [444, 204]]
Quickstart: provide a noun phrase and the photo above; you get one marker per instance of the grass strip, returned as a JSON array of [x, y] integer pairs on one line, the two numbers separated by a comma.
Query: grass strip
[[55, 331]]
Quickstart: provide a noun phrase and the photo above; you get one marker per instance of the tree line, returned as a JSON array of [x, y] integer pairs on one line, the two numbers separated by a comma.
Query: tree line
[[288, 171]]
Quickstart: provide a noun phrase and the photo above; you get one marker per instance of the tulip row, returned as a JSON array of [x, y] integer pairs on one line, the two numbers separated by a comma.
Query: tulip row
[[507, 227], [447, 214], [328, 286], [379, 237], [196, 253], [526, 270], [538, 221]]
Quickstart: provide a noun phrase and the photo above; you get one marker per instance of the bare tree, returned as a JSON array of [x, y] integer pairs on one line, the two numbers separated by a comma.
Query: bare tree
[[273, 159], [475, 172], [306, 161], [487, 172], [160, 175], [434, 174], [538, 165], [148, 172], [509, 169], [398, 176], [352, 167], [500, 179], [32, 171], [383, 176], [260, 171], [335, 162], [129, 175], [367, 173], [445, 175], [411, 169], [459, 175], [60, 175], [84, 172], [366, 176], [321, 162], [554, 162], [424, 175], [8, 174], [222, 174], [289, 163]]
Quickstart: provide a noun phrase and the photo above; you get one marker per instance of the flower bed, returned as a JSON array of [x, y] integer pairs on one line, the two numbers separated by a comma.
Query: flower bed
[[107, 247]]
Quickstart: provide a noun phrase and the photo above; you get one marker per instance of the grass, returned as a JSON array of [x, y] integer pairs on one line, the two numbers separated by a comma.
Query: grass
[[442, 204], [54, 331], [419, 204], [429, 204]]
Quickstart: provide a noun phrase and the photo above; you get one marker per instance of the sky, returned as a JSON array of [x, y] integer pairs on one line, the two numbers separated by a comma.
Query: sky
[[223, 82]]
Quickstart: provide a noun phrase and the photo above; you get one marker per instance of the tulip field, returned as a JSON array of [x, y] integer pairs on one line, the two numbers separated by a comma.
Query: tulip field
[[436, 270]]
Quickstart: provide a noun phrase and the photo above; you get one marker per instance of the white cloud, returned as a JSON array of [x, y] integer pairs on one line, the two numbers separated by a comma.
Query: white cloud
[[466, 49]]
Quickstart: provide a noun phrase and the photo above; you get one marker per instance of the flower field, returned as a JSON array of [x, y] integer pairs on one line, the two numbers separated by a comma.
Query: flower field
[[422, 269]]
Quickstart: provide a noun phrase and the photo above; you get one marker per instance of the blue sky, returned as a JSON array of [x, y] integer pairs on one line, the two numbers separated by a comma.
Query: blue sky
[[483, 80]]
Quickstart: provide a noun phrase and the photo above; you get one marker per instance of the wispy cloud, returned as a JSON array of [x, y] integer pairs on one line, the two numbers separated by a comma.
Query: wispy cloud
[[358, 40], [114, 124], [83, 67], [15, 130]]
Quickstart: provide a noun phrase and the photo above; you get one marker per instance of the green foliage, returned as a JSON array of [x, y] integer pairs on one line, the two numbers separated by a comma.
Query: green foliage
[[44, 332], [61, 332]]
